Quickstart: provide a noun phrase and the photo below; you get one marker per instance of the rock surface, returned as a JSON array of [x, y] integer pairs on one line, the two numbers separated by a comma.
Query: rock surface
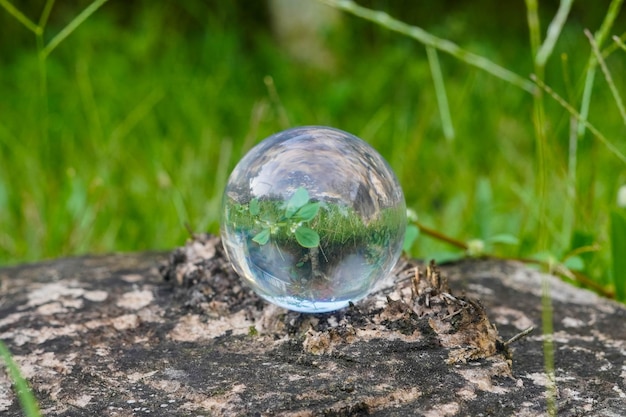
[[109, 336]]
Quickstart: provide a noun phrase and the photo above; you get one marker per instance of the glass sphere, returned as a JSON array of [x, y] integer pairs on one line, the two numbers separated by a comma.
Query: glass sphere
[[312, 218]]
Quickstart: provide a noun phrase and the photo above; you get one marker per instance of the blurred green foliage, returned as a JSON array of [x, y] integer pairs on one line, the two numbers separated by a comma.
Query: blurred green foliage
[[148, 106]]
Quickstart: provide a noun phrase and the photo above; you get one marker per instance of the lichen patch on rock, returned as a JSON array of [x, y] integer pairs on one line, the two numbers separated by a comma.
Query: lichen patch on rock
[[135, 300]]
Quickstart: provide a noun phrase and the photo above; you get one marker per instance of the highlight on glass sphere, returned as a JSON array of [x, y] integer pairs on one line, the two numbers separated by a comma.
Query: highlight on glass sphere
[[312, 218]]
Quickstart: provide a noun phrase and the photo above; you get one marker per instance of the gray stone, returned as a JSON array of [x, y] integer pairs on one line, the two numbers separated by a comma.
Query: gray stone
[[109, 336]]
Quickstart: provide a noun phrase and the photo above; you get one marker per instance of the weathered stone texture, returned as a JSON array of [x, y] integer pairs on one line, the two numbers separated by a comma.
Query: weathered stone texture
[[108, 336]]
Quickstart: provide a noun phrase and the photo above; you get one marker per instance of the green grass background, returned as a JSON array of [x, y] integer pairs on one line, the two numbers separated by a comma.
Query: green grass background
[[148, 106]]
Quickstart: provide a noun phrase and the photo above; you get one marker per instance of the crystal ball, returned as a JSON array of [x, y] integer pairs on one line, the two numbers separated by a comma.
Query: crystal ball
[[312, 218]]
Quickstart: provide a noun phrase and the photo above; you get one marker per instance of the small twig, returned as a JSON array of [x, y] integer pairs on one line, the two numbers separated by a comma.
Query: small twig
[[583, 249], [575, 275], [520, 335], [453, 298], [440, 236], [455, 313], [578, 276]]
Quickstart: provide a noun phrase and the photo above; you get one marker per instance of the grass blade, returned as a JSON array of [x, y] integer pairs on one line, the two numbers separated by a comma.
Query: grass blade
[[20, 17], [221, 176], [554, 31], [71, 27], [619, 43], [275, 99], [410, 236], [621, 197], [539, 117], [600, 36], [618, 248], [612, 148], [606, 52], [607, 75], [483, 207], [440, 92], [607, 24], [572, 168], [135, 116], [532, 16], [419, 34], [586, 100], [45, 14], [25, 395], [547, 325]]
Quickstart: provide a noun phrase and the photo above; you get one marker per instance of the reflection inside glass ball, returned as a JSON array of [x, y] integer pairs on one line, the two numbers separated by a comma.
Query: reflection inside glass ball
[[312, 218]]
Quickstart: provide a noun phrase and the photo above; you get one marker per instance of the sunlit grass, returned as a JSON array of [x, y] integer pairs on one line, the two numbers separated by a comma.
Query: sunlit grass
[[24, 393]]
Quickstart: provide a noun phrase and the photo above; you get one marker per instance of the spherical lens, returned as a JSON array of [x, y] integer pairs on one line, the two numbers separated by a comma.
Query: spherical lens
[[312, 218]]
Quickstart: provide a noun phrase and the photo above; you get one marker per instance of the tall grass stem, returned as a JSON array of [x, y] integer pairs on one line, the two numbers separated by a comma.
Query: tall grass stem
[[567, 81], [548, 344], [612, 148], [569, 212], [20, 17], [532, 17], [45, 14], [540, 57], [618, 248], [71, 27], [538, 120], [422, 36], [607, 75], [572, 167], [42, 70], [140, 112], [554, 31], [88, 99], [221, 177], [275, 99], [614, 46], [600, 36], [440, 92], [619, 42]]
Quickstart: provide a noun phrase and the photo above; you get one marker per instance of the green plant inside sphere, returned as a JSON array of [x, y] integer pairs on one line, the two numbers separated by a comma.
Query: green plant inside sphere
[[312, 218]]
